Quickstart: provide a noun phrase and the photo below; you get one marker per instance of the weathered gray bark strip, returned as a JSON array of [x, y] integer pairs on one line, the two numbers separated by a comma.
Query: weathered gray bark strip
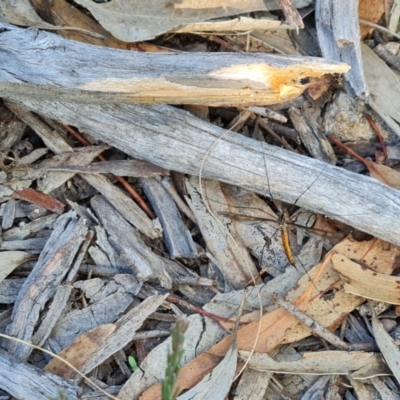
[[61, 297], [25, 381], [253, 384], [42, 282], [127, 242], [177, 237], [77, 322], [22, 232], [229, 257], [134, 168], [34, 245], [9, 215], [9, 290], [122, 333], [174, 139], [46, 66], [339, 38], [53, 180], [124, 204]]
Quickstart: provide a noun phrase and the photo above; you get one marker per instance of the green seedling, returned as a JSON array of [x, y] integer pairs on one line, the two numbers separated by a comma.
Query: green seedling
[[170, 390]]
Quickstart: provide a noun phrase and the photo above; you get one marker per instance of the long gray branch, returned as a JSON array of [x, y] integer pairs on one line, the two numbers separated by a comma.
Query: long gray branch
[[176, 140]]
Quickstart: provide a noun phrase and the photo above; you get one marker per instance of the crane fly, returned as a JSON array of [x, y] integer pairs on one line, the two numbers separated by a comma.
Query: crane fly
[[284, 223]]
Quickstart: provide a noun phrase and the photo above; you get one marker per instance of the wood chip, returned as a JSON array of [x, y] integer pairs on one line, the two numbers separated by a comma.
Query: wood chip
[[320, 363], [96, 346], [40, 199], [52, 266]]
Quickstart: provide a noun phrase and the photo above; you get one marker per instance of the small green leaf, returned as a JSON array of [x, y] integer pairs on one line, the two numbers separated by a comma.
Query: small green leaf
[[132, 363]]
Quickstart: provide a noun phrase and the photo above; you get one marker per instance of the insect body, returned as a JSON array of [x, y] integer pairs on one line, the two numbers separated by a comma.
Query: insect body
[[283, 226]]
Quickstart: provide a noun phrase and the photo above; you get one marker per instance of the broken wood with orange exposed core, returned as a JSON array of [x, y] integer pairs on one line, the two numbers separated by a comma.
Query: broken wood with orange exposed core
[[44, 65]]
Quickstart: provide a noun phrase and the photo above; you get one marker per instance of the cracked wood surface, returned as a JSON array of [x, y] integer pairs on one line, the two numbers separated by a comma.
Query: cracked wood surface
[[174, 139], [53, 264], [46, 66]]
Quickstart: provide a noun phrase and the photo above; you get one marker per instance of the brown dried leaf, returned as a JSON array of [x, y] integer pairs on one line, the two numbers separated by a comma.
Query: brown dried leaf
[[372, 11], [378, 255], [279, 326], [367, 283], [137, 20], [72, 16], [386, 175]]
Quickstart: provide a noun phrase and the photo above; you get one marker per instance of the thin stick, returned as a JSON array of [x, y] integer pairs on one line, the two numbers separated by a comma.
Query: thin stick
[[379, 134], [122, 180], [176, 300], [379, 27], [314, 326]]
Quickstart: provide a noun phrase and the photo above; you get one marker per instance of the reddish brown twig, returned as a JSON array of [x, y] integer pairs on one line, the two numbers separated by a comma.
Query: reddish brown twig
[[122, 180], [348, 150], [173, 299], [381, 172], [379, 134]]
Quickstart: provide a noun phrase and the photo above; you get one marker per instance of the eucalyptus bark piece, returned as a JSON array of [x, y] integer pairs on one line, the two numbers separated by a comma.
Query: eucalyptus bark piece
[[230, 255], [174, 139], [127, 242], [135, 168], [339, 38], [9, 290], [79, 321], [42, 65], [25, 381], [34, 245], [319, 363], [79, 156], [311, 134], [52, 180], [41, 284], [124, 204], [100, 343], [40, 199], [61, 297], [177, 237], [105, 246], [8, 215], [22, 232], [253, 384]]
